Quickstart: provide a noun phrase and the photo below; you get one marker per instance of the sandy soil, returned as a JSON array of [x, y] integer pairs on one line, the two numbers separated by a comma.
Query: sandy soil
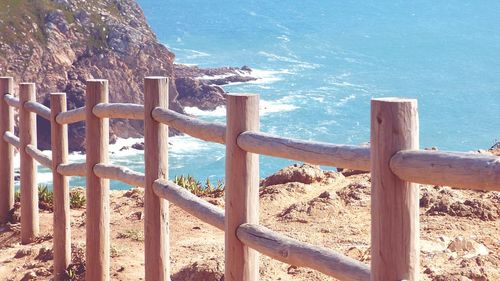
[[459, 232]]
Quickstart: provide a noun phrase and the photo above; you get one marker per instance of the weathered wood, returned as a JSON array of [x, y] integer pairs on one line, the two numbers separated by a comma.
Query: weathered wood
[[38, 156], [294, 252], [72, 169], [6, 151], [30, 227], [156, 212], [190, 203], [119, 110], [464, 170], [71, 116], [119, 173], [318, 153], [11, 139], [395, 203], [62, 215], [11, 100], [38, 108], [97, 139], [206, 131], [242, 188]]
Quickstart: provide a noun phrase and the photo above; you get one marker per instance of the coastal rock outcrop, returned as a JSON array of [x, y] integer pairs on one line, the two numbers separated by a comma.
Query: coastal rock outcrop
[[59, 44]]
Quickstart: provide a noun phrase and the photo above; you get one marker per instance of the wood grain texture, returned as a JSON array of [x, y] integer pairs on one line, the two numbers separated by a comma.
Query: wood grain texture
[[30, 227], [97, 139], [38, 108], [62, 215], [39, 156], [190, 203], [12, 139], [203, 130], [119, 173], [317, 153], [157, 244], [242, 188], [6, 151], [120, 110], [294, 252], [464, 170], [72, 169], [11, 100], [395, 203], [71, 116]]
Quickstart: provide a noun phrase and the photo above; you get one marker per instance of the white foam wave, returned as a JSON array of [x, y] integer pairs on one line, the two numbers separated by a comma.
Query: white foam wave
[[218, 112], [344, 100], [186, 145], [266, 107], [122, 143], [283, 38], [295, 61], [44, 177], [266, 76]]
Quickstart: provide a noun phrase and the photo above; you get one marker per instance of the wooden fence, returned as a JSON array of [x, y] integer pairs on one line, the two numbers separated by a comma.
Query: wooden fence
[[394, 160]]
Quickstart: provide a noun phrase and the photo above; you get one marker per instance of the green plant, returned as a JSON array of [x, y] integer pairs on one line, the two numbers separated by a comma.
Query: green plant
[[132, 234], [77, 199], [45, 195], [194, 186], [70, 273], [17, 196]]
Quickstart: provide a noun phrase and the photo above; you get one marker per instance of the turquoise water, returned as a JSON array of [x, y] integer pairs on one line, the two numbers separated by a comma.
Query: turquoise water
[[321, 62]]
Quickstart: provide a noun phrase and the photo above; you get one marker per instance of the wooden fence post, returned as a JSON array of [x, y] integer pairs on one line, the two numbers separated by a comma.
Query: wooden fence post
[[62, 227], [242, 188], [156, 210], [395, 203], [29, 191], [6, 151], [97, 140]]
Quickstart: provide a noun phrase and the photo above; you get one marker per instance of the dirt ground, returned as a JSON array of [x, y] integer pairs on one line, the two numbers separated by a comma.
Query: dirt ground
[[459, 232]]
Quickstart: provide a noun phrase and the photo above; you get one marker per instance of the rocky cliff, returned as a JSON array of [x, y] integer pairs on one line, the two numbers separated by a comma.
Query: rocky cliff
[[59, 44]]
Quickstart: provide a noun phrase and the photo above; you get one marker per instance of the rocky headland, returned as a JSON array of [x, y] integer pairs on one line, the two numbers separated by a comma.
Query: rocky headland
[[59, 44]]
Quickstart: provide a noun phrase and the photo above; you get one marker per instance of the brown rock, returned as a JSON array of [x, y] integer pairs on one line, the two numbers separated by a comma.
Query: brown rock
[[304, 174], [209, 270], [138, 146], [21, 253]]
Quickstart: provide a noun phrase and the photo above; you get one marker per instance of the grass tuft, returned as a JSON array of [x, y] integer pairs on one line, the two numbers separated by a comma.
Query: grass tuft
[[209, 189]]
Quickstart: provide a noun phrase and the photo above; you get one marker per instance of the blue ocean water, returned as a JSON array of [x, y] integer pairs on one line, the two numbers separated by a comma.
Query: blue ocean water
[[320, 63]]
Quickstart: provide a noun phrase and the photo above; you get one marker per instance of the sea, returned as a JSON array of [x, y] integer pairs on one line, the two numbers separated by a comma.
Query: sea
[[319, 63]]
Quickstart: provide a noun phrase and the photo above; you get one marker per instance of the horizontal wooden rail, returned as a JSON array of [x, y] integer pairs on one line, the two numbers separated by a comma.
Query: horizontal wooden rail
[[119, 110], [277, 246], [38, 108], [291, 251], [206, 131], [71, 116], [120, 173], [464, 170], [190, 203], [12, 101], [38, 155], [12, 139], [72, 169], [294, 252], [318, 153]]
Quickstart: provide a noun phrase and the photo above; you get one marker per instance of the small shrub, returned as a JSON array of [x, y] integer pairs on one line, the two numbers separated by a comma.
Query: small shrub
[[77, 199], [17, 196], [194, 186], [45, 195], [132, 234]]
